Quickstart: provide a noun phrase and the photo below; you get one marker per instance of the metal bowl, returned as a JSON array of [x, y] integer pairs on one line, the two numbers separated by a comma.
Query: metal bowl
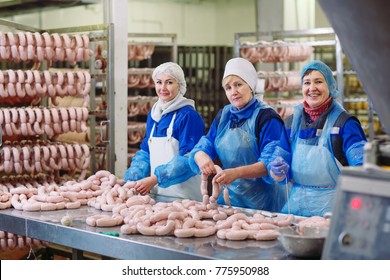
[[303, 242]]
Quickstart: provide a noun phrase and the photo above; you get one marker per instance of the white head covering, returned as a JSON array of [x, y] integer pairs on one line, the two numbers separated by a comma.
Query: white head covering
[[160, 108], [242, 68], [175, 71]]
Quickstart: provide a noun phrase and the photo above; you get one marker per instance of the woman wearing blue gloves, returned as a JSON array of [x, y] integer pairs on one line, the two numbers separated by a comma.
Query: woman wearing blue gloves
[[323, 137], [173, 127], [244, 136]]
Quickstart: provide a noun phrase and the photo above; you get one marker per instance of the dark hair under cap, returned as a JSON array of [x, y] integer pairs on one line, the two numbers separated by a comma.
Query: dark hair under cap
[[326, 71]]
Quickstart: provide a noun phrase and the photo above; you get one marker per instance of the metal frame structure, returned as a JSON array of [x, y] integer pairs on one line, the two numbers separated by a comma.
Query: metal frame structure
[[96, 32]]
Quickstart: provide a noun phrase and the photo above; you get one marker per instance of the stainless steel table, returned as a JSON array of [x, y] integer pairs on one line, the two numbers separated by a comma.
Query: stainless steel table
[[46, 226]]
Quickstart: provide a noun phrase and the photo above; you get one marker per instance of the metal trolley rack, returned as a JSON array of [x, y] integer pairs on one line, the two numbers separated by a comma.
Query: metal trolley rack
[[318, 37]]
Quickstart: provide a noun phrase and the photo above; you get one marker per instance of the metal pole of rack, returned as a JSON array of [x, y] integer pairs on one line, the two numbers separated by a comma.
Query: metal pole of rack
[[117, 86], [174, 48], [340, 70], [236, 45], [111, 98], [92, 124]]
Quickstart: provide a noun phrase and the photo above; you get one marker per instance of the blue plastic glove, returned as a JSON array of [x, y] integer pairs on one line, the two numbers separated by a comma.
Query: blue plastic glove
[[279, 169]]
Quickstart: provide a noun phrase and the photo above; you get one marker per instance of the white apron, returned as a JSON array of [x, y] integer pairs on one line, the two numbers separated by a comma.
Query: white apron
[[162, 150]]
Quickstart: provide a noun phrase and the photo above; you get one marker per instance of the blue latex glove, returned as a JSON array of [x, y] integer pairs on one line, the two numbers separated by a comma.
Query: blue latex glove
[[279, 169]]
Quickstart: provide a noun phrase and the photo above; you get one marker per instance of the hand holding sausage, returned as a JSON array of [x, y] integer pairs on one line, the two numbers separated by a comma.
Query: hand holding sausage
[[206, 165], [144, 186], [226, 177]]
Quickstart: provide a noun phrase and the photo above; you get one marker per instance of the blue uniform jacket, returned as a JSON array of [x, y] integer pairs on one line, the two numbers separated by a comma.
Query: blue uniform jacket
[[188, 128]]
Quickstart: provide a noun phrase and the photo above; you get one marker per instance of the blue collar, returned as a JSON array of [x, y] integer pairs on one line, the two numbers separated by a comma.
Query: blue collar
[[245, 112]]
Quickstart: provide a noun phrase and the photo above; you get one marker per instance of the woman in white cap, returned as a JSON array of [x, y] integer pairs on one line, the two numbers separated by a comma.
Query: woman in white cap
[[244, 136], [323, 137], [173, 127]]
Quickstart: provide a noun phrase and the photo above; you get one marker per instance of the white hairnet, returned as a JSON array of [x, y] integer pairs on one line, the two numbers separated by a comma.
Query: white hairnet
[[175, 71], [242, 68]]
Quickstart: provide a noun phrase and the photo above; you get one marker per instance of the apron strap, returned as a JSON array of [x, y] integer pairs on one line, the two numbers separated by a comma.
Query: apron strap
[[322, 134], [151, 133], [170, 128]]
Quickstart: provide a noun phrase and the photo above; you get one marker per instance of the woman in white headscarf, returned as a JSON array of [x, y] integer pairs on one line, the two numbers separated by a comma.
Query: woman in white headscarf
[[173, 127], [244, 136]]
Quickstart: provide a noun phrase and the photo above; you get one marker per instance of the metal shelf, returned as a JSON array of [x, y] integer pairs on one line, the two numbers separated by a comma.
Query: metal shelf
[[156, 39]]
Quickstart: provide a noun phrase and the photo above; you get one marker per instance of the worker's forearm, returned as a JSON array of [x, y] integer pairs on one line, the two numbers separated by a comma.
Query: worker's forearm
[[256, 170]]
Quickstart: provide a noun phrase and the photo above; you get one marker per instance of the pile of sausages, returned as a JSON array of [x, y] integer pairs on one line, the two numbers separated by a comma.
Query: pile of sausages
[[275, 51], [115, 195], [137, 214], [186, 218], [45, 198], [257, 226], [22, 185], [314, 221], [50, 196], [182, 218], [141, 214], [37, 47], [113, 191], [25, 194]]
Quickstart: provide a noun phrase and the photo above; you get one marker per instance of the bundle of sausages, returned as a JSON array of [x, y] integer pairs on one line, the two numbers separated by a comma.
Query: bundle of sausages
[[136, 132], [140, 52], [37, 121], [275, 51], [36, 85], [140, 78], [37, 47], [216, 189], [284, 107], [140, 105], [280, 80], [37, 158]]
